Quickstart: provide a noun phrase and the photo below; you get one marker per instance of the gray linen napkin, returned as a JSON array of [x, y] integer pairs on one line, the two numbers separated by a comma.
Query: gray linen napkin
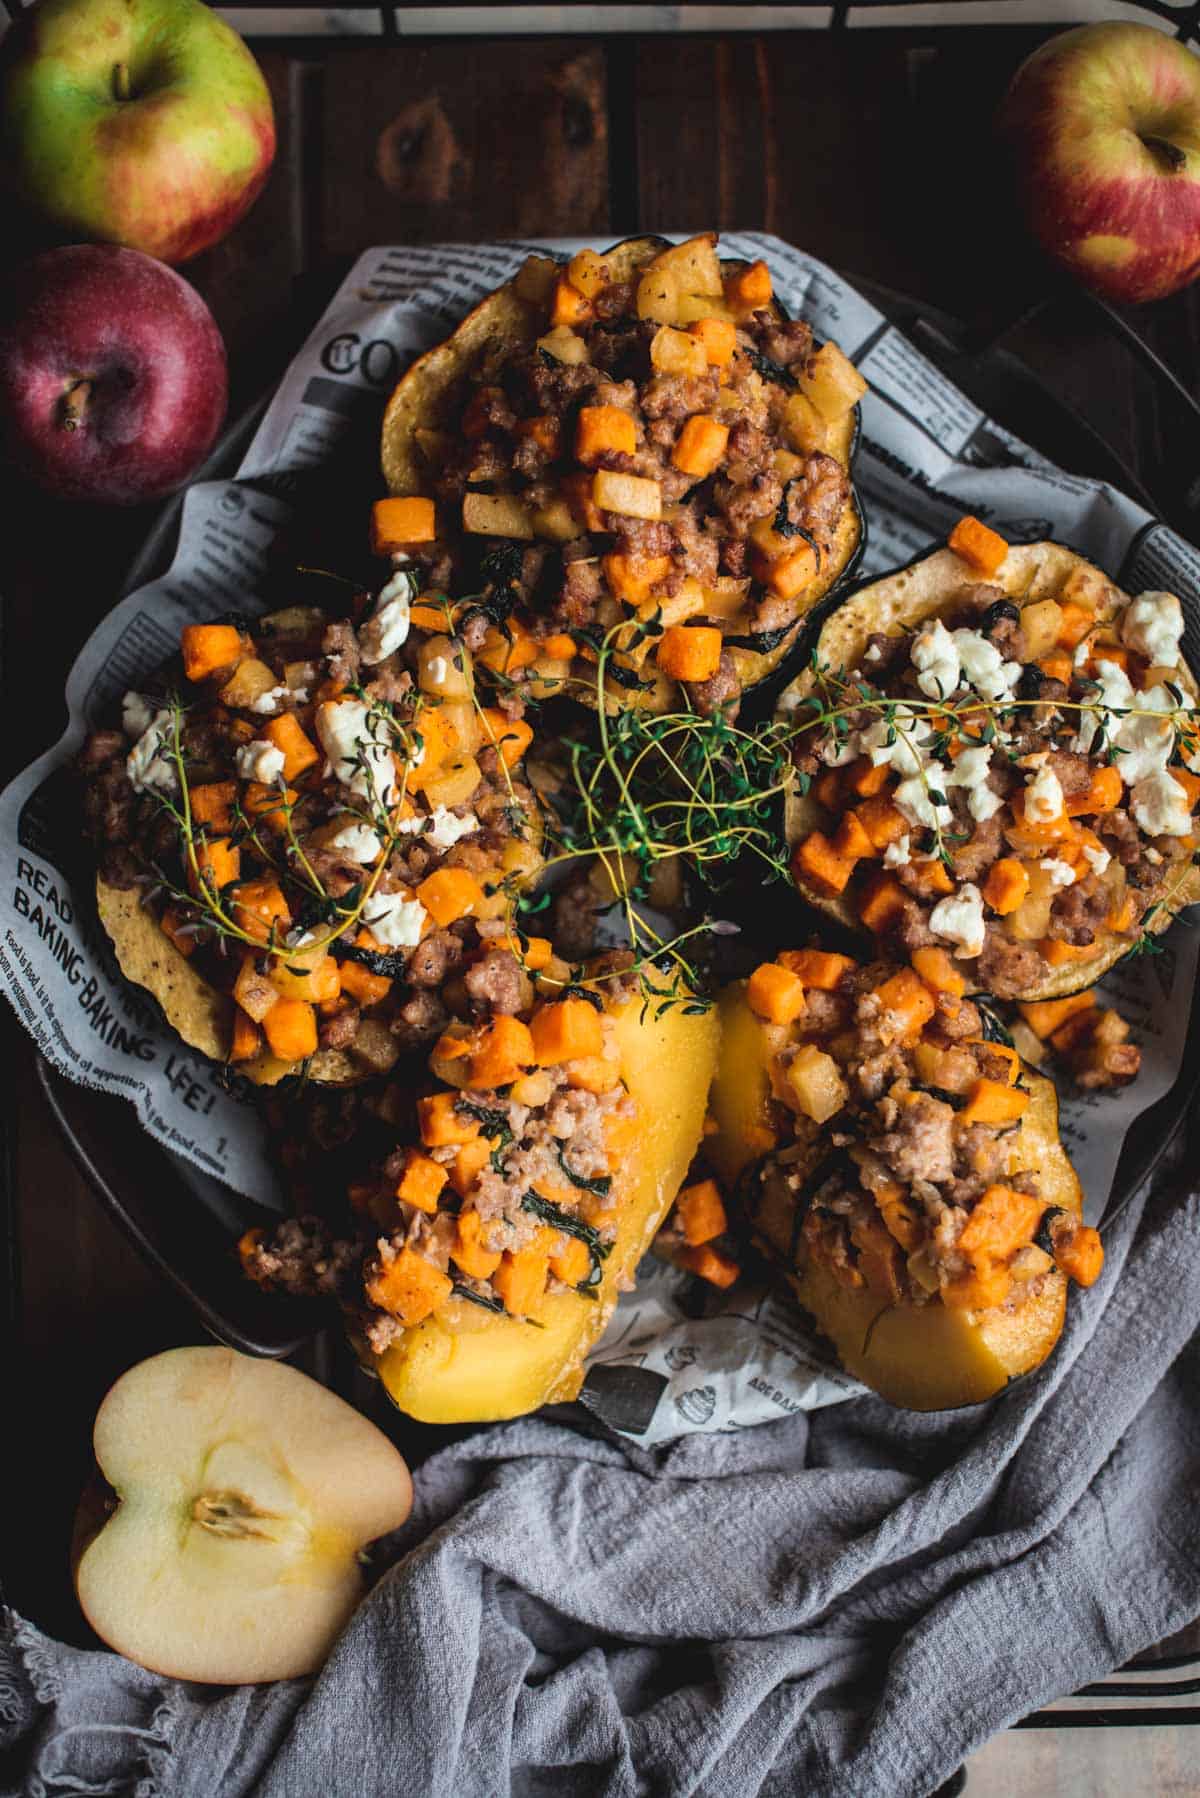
[[845, 1603]]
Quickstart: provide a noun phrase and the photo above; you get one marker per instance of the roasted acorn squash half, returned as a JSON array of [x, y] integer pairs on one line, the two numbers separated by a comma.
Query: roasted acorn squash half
[[504, 1334], [427, 410], [218, 910], [936, 1291], [1058, 893]]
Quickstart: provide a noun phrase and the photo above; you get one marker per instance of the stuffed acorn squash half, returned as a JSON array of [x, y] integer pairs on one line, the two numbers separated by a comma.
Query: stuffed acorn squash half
[[998, 753], [495, 1240], [637, 465], [302, 826], [903, 1173]]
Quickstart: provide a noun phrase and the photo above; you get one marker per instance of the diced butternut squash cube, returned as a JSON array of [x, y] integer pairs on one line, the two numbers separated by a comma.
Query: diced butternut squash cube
[[469, 1253], [396, 523], [823, 969], [906, 1005], [291, 1029], [299, 751], [261, 910], [701, 1212], [421, 1182], [503, 1051], [775, 993], [710, 1264], [520, 1280], [719, 338], [441, 1124], [980, 548], [365, 988], [213, 803], [1045, 1016], [207, 648], [218, 863], [470, 1162], [450, 893], [882, 901], [602, 430], [269, 806], [569, 306], [700, 446], [935, 968], [990, 1102], [247, 1038], [815, 862], [409, 1288], [788, 575], [565, 1031], [749, 289], [570, 1261], [1006, 885], [689, 652], [511, 737], [634, 578]]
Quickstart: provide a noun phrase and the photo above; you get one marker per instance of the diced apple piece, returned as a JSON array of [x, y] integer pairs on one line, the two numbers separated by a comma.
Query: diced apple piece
[[587, 273], [694, 306], [1041, 624], [817, 1087], [629, 494], [248, 682], [247, 1493], [563, 344], [658, 296], [831, 381], [496, 515], [534, 280], [695, 265], [674, 352], [803, 425], [555, 522]]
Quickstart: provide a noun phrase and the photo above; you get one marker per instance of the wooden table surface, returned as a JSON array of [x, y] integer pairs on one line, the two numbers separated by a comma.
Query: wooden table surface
[[870, 149]]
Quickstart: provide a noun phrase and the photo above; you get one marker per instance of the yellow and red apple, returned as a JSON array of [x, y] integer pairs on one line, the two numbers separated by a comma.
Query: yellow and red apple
[[139, 122], [1104, 126], [112, 374]]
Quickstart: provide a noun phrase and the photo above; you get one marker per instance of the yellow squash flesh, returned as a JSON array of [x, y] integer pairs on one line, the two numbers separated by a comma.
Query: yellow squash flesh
[[469, 1365], [924, 1357], [431, 393], [900, 602]]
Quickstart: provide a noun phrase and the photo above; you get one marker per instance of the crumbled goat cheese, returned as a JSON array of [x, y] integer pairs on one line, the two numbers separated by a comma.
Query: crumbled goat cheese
[[970, 772], [387, 628], [897, 854], [1115, 695], [148, 764], [268, 703], [1152, 627], [1147, 738], [836, 751], [984, 666], [912, 797], [1098, 859], [934, 655], [394, 920], [909, 732], [136, 716], [358, 843], [446, 827], [357, 741], [260, 761], [1160, 806], [959, 917], [1062, 874], [1043, 797]]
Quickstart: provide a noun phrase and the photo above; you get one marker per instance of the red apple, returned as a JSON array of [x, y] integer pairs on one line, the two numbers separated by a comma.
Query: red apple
[[112, 374], [139, 122], [1104, 125]]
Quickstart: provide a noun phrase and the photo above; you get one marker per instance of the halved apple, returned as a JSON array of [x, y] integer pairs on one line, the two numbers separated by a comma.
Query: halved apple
[[247, 1492]]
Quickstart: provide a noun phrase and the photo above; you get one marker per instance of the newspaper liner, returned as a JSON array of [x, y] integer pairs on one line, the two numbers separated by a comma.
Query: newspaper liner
[[927, 454]]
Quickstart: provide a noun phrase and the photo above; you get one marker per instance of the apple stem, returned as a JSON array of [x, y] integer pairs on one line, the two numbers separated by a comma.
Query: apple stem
[[120, 81], [1167, 153], [75, 402]]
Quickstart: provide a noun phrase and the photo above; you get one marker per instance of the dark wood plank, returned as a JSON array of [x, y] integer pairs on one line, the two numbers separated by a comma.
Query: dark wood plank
[[457, 140]]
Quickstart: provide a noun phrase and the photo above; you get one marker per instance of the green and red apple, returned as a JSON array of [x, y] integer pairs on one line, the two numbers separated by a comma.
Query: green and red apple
[[246, 1495], [1104, 126], [139, 122]]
